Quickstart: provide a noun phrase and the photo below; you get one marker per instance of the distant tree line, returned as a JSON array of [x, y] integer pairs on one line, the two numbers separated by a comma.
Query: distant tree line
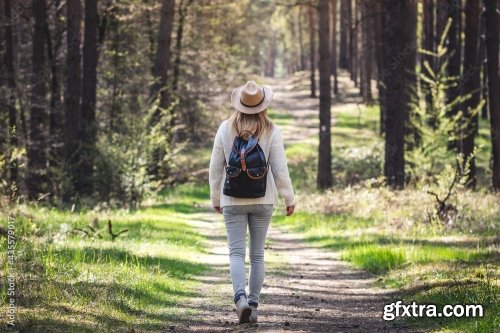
[[97, 96], [396, 44]]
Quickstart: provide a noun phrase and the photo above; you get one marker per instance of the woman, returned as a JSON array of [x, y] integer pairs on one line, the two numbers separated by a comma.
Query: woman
[[250, 117]]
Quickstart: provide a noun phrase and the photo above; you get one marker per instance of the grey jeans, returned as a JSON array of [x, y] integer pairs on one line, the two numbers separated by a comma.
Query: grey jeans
[[236, 219]]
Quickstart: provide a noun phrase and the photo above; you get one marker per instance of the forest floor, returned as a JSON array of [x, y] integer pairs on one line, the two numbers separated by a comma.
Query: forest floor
[[331, 267], [307, 289]]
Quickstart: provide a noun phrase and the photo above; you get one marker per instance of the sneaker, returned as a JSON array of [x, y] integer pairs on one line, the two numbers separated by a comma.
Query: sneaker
[[253, 315], [243, 310]]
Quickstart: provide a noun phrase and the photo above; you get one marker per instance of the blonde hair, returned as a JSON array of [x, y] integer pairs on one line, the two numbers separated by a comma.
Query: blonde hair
[[258, 123]]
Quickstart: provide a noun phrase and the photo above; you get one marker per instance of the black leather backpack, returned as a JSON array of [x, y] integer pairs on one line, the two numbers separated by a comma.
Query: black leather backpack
[[246, 169]]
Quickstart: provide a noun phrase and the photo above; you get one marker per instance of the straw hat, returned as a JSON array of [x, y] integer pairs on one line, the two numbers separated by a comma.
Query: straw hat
[[251, 98]]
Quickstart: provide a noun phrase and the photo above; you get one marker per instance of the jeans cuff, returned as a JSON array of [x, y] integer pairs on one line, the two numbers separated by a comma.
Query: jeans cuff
[[252, 303], [238, 294]]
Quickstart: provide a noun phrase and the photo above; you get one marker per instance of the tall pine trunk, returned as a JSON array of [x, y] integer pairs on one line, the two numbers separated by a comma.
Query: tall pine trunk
[[162, 59], [471, 85], [12, 86], [333, 34], [398, 40], [301, 41], [377, 20], [88, 106], [312, 51], [366, 21], [38, 123], [455, 49], [492, 52], [324, 179], [159, 88], [72, 95], [344, 34], [353, 43], [56, 118]]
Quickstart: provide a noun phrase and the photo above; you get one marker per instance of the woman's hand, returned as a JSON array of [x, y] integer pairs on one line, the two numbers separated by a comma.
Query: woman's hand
[[289, 210], [218, 209]]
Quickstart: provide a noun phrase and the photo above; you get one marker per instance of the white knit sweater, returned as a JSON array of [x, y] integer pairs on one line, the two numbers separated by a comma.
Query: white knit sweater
[[278, 179]]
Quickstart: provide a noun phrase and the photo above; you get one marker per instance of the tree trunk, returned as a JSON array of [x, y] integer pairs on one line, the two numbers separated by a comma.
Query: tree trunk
[[324, 178], [301, 42], [162, 59], [455, 49], [366, 21], [72, 96], [379, 58], [160, 73], [333, 12], [399, 41], [270, 57], [312, 51], [482, 63], [56, 117], [88, 123], [178, 44], [12, 87], [37, 142], [353, 43], [471, 84], [344, 32], [492, 52]]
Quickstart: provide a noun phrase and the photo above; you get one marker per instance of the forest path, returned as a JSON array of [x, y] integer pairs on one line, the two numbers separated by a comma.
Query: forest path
[[307, 289]]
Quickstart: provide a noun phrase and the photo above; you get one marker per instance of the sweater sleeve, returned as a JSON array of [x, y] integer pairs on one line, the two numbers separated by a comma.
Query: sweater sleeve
[[216, 169], [279, 167]]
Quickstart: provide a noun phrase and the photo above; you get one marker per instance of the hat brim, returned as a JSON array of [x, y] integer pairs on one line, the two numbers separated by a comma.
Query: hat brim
[[236, 102]]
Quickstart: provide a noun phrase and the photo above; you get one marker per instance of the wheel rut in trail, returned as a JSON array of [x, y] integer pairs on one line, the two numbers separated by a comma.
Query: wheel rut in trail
[[317, 292]]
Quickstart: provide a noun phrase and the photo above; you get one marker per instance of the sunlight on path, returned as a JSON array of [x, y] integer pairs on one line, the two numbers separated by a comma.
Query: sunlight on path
[[306, 289], [313, 292]]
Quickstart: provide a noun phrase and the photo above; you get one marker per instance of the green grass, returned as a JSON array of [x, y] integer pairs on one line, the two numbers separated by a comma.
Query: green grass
[[417, 264], [387, 234], [68, 282], [375, 259]]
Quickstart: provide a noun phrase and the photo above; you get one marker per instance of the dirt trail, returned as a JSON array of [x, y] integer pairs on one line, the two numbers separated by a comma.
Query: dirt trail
[[306, 289]]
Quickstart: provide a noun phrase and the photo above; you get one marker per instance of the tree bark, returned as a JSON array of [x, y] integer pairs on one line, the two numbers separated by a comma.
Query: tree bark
[[160, 74], [183, 9], [301, 42], [37, 139], [324, 179], [399, 54], [88, 125], [379, 58], [12, 87], [72, 95], [312, 51], [333, 34], [353, 43], [492, 52], [56, 117], [455, 50], [472, 82], [366, 21], [162, 59], [344, 34], [482, 63]]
